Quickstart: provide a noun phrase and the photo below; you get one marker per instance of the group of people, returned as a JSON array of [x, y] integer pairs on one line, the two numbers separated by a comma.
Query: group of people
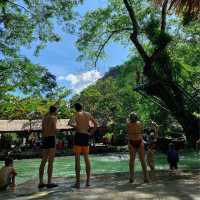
[[82, 124]]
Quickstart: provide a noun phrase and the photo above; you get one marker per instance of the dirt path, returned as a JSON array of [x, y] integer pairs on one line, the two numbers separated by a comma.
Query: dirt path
[[165, 185]]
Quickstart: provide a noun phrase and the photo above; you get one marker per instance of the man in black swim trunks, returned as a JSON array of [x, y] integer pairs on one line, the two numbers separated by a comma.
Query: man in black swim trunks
[[81, 124], [48, 146]]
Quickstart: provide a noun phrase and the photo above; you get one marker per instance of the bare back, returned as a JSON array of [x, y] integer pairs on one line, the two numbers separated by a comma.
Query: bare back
[[135, 131], [82, 122], [49, 125]]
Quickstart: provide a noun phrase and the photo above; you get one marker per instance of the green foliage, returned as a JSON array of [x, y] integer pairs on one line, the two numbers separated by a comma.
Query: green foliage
[[112, 22], [22, 75], [171, 57], [151, 28], [12, 107], [22, 24], [185, 53], [112, 98]]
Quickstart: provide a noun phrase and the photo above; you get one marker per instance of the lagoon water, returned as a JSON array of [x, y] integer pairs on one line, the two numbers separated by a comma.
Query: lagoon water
[[27, 169]]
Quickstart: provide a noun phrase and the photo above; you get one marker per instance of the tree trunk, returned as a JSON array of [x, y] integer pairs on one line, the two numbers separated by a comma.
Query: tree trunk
[[175, 101], [163, 85]]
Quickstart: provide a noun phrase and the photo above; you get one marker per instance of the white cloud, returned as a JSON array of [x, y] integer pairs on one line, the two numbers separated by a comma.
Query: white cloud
[[72, 78], [80, 81]]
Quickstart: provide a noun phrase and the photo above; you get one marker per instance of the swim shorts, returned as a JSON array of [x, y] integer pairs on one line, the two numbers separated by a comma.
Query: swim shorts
[[48, 142], [81, 143], [81, 149], [81, 139], [135, 143]]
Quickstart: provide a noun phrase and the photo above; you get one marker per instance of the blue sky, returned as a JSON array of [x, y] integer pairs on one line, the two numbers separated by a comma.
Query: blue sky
[[60, 57]]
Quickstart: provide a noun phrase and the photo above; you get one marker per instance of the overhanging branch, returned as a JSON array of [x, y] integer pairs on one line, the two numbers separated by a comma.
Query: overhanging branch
[[134, 35], [101, 47], [159, 49], [18, 6], [163, 19], [132, 16]]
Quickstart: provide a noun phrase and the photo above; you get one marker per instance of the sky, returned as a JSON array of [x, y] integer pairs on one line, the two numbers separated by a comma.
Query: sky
[[60, 57]]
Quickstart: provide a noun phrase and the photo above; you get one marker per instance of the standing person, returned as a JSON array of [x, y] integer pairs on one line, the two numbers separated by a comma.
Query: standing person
[[172, 157], [135, 137], [82, 121], [48, 146], [7, 174]]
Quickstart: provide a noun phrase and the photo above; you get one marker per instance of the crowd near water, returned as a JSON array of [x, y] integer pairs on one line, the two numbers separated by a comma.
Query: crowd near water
[[98, 164]]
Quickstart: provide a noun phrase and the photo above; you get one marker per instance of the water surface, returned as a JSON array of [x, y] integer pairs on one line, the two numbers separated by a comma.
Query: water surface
[[64, 166]]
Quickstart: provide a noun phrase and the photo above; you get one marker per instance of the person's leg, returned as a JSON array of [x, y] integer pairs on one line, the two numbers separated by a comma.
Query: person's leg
[[148, 160], [88, 168], [51, 153], [132, 153], [171, 166], [176, 165], [152, 164], [143, 163], [42, 166], [77, 169]]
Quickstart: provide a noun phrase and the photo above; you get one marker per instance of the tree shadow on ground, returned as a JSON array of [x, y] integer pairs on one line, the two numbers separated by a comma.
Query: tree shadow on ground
[[165, 185]]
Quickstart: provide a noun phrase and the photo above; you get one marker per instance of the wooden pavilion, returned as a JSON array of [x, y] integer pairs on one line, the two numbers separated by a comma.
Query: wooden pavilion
[[27, 126]]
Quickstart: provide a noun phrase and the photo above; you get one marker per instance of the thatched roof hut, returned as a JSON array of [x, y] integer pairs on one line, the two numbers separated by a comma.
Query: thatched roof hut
[[32, 125]]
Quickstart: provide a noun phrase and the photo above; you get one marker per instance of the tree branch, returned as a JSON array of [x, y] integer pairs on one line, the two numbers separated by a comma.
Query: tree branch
[[15, 4], [132, 16], [139, 47], [102, 47], [134, 35], [158, 50], [106, 41], [19, 6], [163, 19], [111, 31]]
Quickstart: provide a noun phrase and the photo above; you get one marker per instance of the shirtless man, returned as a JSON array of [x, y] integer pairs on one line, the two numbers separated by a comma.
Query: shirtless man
[[48, 146], [81, 123], [135, 137]]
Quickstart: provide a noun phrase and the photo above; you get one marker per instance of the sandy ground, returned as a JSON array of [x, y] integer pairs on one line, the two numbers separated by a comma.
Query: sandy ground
[[164, 185]]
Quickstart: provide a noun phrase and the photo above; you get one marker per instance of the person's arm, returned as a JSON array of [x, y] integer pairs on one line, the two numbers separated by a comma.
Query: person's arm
[[72, 122], [94, 123], [54, 122], [43, 126], [142, 129]]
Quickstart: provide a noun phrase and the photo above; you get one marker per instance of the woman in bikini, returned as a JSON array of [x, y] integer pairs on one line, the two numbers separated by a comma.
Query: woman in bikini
[[135, 137]]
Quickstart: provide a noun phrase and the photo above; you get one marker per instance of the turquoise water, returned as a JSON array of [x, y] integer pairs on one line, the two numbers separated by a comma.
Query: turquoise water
[[64, 166]]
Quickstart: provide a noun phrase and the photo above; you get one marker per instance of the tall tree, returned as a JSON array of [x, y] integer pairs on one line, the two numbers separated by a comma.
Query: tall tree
[[23, 22], [152, 33], [27, 23]]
